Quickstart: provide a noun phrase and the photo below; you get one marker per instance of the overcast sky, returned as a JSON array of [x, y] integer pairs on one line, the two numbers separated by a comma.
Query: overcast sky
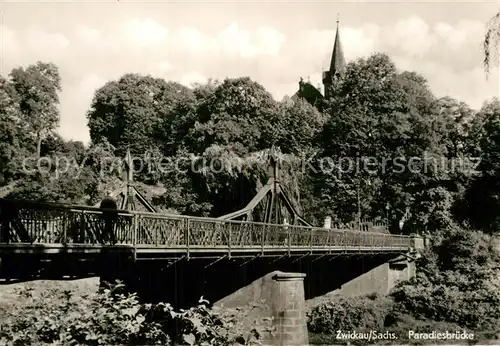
[[274, 42]]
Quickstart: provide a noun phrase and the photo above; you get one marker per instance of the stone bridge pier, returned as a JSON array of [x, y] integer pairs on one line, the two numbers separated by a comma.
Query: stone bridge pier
[[282, 295]]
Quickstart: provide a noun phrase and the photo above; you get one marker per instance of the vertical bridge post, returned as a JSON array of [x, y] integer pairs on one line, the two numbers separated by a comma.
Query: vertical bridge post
[[135, 221], [418, 242]]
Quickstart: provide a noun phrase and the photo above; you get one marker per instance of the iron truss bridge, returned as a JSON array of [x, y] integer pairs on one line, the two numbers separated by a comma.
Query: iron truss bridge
[[35, 228]]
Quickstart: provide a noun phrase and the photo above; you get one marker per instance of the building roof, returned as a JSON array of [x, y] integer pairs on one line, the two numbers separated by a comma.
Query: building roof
[[295, 97], [308, 92], [337, 63]]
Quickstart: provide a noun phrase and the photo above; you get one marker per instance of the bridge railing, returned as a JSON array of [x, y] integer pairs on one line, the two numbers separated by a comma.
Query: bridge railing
[[28, 222], [364, 225]]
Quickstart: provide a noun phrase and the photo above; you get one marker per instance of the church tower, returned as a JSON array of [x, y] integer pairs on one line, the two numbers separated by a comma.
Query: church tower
[[337, 69], [337, 65]]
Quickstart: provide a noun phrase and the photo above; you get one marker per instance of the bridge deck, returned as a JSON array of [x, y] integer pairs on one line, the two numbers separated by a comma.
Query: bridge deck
[[33, 228]]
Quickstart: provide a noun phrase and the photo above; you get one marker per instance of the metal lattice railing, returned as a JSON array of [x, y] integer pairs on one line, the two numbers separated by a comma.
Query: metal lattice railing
[[27, 222]]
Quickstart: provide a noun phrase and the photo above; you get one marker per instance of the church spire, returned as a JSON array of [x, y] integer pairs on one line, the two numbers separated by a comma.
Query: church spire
[[337, 63]]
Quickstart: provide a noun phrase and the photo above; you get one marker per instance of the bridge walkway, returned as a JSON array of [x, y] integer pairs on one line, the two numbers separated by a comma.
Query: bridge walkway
[[49, 228]]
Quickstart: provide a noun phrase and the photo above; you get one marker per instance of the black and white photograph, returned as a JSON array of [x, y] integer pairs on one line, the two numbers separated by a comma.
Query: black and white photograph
[[249, 172]]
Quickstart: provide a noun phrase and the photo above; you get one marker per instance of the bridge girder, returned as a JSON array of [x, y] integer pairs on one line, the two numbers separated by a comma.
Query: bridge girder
[[274, 197], [127, 193]]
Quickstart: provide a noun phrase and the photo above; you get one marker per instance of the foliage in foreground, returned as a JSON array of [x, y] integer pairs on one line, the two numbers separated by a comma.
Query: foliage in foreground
[[457, 282], [113, 318]]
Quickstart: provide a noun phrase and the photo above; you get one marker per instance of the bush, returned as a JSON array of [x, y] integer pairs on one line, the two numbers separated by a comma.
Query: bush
[[456, 282], [349, 314], [372, 313], [58, 317], [110, 317], [202, 326], [400, 324]]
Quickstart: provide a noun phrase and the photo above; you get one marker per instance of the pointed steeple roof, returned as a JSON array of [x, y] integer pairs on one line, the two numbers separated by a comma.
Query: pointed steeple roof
[[337, 64]]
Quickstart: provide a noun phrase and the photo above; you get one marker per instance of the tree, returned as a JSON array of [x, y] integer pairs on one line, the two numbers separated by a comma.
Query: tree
[[298, 124], [178, 115], [54, 143], [380, 120], [237, 114], [451, 125], [37, 87], [482, 198], [9, 132], [138, 112], [220, 181], [376, 116], [75, 174], [491, 41]]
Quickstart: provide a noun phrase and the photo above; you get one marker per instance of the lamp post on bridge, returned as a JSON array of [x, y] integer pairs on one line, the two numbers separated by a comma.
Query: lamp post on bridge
[[358, 192], [387, 207], [359, 205], [129, 176]]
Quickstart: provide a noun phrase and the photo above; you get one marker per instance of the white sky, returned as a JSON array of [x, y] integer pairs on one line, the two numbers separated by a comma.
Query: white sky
[[274, 42]]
